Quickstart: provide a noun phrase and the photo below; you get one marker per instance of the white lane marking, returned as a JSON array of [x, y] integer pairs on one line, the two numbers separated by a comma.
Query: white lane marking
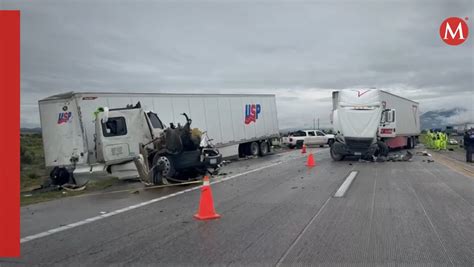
[[106, 215], [344, 186]]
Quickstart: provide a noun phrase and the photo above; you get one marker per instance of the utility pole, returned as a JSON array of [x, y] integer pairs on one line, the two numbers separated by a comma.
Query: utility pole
[[314, 124], [318, 123]]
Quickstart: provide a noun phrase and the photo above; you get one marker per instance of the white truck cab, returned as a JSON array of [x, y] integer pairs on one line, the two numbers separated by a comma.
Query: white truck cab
[[370, 122]]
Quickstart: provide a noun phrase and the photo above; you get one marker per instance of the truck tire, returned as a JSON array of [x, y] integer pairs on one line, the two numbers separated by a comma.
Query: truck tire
[[330, 142], [335, 156], [162, 168], [411, 142], [299, 144], [242, 150], [253, 149], [408, 146], [264, 148], [382, 149], [59, 176]]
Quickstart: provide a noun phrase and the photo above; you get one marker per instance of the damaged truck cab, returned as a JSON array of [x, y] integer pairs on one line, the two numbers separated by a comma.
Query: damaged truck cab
[[370, 122], [125, 135], [121, 136]]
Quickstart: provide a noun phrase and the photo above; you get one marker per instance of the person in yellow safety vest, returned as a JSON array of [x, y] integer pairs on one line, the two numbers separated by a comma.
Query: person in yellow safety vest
[[435, 140], [431, 140], [438, 141], [444, 143], [427, 139]]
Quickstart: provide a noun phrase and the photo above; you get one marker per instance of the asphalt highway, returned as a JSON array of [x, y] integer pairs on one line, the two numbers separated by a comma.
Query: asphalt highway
[[275, 211]]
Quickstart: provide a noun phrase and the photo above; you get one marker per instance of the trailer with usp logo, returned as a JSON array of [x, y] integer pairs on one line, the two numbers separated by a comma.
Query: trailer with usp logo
[[237, 124]]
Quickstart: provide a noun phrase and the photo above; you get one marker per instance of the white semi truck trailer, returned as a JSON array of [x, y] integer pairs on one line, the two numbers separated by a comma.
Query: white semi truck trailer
[[238, 125], [370, 122]]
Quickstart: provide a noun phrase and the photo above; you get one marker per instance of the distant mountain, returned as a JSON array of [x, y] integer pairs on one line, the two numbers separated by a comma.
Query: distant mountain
[[440, 118]]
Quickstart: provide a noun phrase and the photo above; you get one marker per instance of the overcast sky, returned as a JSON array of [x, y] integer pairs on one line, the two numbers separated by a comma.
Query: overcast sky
[[300, 51]]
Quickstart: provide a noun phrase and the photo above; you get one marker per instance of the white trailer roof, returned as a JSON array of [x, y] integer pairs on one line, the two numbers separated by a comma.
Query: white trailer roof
[[71, 94]]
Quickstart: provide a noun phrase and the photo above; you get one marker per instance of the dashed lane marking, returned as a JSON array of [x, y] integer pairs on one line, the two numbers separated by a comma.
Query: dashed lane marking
[[345, 185]]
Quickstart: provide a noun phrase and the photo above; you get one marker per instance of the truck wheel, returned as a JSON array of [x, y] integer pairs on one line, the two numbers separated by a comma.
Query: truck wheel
[[299, 144], [330, 142], [242, 150], [382, 149], [163, 168], [253, 149], [408, 146], [335, 156], [411, 142], [59, 176], [264, 148]]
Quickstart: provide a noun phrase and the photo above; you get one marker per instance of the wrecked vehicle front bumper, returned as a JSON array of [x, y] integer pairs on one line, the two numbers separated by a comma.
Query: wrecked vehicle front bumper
[[349, 150], [211, 158]]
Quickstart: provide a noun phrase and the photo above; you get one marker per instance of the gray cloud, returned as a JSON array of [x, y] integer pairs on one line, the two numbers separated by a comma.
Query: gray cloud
[[299, 51]]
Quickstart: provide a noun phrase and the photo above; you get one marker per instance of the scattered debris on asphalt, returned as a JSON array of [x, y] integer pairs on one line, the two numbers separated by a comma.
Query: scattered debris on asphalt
[[453, 142], [225, 162], [423, 153], [399, 157], [73, 187], [393, 158]]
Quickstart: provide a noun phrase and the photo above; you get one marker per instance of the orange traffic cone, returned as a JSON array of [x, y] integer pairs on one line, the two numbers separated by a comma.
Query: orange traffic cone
[[206, 204], [310, 162], [303, 149]]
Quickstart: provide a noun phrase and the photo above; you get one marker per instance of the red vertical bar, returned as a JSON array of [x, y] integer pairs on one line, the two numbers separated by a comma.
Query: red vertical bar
[[10, 133]]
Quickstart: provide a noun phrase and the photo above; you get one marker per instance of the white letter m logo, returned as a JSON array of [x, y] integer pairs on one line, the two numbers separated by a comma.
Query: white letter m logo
[[453, 35]]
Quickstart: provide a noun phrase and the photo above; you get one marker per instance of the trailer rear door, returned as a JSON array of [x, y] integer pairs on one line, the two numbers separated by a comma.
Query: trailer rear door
[[62, 133]]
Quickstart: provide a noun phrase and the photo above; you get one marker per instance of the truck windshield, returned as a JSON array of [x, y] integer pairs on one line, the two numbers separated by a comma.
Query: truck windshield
[[155, 121]]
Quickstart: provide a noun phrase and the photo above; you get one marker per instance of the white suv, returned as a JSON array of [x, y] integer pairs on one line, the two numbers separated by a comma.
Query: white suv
[[308, 137]]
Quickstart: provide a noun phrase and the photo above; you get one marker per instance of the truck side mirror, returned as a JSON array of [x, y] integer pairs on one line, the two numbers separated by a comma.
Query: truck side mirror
[[105, 117]]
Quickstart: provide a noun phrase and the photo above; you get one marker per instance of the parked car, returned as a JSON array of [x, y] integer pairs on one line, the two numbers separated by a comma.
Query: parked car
[[308, 137]]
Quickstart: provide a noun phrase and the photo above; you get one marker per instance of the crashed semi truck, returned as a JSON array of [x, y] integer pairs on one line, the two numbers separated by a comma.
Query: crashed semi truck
[[368, 123], [85, 143]]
